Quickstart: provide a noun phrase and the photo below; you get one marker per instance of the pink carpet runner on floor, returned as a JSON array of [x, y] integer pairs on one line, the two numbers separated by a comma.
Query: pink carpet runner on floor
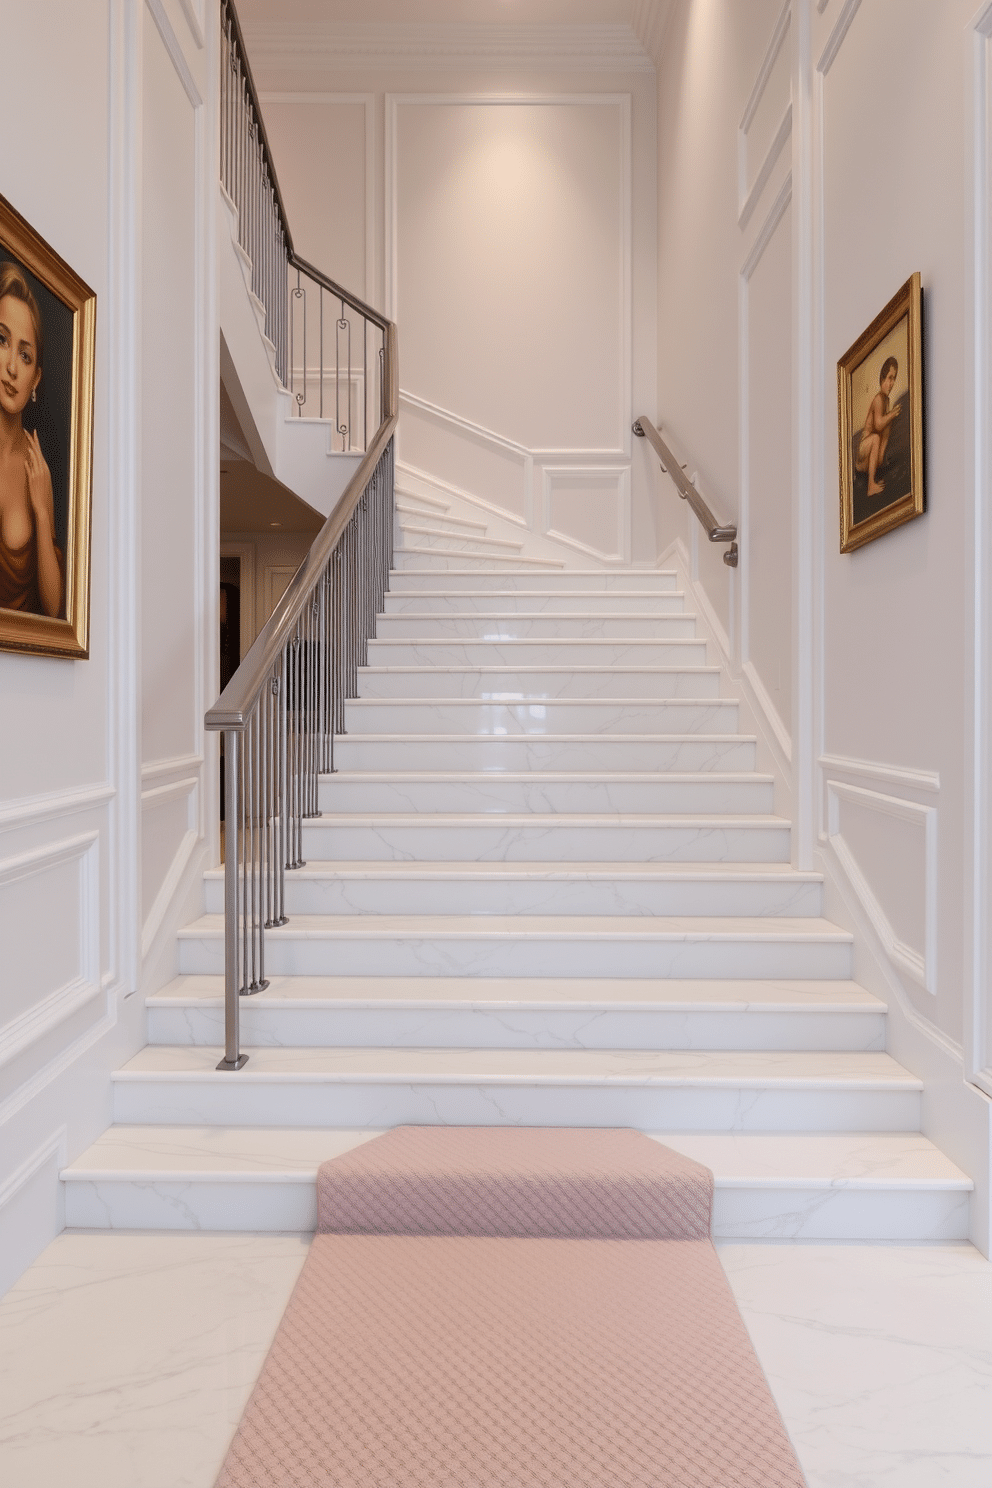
[[506, 1307]]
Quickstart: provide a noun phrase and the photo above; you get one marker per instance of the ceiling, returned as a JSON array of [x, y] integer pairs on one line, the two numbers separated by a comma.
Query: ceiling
[[513, 12]]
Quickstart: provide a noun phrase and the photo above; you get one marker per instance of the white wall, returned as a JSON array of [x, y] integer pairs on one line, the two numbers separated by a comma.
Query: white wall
[[504, 214], [800, 184], [102, 796]]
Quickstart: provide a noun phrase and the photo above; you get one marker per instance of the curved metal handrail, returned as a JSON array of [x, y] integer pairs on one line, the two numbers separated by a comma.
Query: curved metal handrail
[[716, 531], [235, 703]]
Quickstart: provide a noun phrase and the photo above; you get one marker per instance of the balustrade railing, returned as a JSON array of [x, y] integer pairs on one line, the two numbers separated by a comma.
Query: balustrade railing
[[329, 347], [281, 710]]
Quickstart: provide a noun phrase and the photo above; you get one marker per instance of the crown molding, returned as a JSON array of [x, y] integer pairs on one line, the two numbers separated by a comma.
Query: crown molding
[[348, 47]]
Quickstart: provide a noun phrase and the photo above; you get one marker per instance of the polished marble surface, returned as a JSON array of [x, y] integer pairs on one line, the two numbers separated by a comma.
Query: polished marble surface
[[126, 1359]]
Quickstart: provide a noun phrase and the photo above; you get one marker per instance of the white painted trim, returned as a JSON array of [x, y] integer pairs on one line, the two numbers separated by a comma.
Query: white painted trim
[[978, 987], [54, 1146], [920, 967], [174, 49], [926, 782], [161, 795], [742, 663], [163, 768], [821, 5], [748, 193], [53, 1009], [26, 1093], [769, 712], [368, 101], [775, 149], [32, 810], [193, 11], [621, 101], [836, 38]]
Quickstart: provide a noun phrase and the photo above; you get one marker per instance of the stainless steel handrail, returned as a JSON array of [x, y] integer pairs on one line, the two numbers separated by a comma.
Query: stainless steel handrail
[[717, 532], [244, 689], [283, 708]]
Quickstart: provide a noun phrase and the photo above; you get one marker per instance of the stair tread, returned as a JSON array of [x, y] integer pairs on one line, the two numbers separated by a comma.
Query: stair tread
[[902, 1160], [545, 777], [536, 993], [540, 927], [809, 1070], [591, 819], [551, 872]]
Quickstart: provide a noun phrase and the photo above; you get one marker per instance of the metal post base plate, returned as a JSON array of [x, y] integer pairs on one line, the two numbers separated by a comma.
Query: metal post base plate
[[235, 1065]]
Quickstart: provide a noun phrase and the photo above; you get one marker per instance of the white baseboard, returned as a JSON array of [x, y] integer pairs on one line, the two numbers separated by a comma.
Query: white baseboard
[[957, 1116], [32, 1208]]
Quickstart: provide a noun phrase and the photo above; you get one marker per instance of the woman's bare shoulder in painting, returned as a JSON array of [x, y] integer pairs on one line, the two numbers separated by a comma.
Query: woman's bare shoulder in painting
[[32, 567]]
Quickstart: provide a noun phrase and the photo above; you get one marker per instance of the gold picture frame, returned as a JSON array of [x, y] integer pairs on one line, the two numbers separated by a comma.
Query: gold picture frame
[[880, 421], [47, 366]]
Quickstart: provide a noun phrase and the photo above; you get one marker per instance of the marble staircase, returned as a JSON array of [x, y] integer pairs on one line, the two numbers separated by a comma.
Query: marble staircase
[[548, 885]]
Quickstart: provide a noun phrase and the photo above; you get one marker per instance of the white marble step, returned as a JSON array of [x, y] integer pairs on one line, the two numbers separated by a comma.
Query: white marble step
[[414, 534], [419, 627], [539, 838], [449, 715], [525, 1013], [448, 792], [539, 682], [535, 946], [858, 1186], [421, 560], [596, 753], [554, 579], [448, 653], [466, 601], [420, 501], [651, 1090], [651, 889], [433, 520]]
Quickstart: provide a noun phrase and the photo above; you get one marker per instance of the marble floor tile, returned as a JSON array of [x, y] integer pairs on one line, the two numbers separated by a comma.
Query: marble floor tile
[[126, 1359], [879, 1357]]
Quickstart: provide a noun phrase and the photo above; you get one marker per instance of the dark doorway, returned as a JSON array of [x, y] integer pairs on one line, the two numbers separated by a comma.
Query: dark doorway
[[230, 637]]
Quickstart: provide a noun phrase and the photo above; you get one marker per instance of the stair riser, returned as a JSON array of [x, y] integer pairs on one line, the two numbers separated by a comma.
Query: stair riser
[[238, 1100], [269, 1206], [443, 599], [324, 954], [537, 683], [564, 629], [548, 716], [490, 794], [564, 581], [489, 840], [449, 896], [494, 754], [410, 515], [556, 655], [460, 543], [273, 1026], [424, 559]]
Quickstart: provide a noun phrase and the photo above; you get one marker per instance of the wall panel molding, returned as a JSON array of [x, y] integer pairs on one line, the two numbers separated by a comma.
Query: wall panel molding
[[45, 1014], [157, 796], [195, 20], [30, 811], [836, 38], [595, 478], [919, 964], [174, 48], [749, 188]]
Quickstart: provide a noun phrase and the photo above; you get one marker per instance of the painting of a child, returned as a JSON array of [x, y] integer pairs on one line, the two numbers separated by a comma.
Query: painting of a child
[[881, 427]]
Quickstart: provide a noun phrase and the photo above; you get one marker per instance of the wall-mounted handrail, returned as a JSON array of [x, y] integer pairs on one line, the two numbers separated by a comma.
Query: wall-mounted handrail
[[717, 532], [280, 712]]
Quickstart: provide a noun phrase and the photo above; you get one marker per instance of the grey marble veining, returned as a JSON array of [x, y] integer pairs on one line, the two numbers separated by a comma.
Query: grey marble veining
[[546, 716], [538, 682], [496, 753]]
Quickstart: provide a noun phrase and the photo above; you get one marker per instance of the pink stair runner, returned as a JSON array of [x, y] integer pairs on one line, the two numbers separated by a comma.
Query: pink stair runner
[[506, 1307]]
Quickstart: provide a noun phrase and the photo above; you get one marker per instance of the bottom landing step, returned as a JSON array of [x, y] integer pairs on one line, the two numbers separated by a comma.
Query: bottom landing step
[[852, 1186]]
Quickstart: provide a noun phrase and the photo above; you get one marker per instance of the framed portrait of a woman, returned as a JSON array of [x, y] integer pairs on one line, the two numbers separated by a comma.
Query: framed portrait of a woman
[[880, 417], [47, 350]]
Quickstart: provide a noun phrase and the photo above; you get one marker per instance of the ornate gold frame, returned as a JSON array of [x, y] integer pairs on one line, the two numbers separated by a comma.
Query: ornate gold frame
[[908, 302], [38, 633]]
